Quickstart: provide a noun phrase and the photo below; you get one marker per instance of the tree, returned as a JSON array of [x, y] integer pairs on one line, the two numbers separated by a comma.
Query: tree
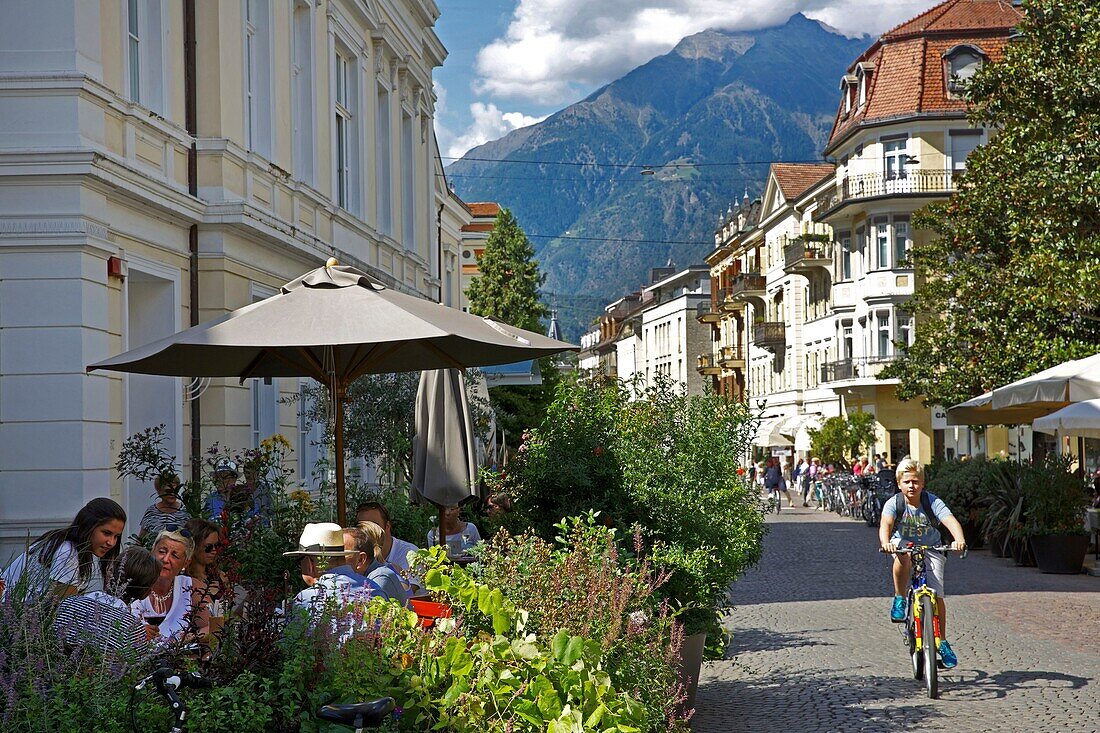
[[1009, 284], [508, 289], [840, 438], [508, 286]]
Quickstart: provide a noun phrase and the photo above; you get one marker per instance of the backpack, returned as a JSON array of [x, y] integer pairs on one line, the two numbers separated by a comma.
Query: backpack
[[926, 507]]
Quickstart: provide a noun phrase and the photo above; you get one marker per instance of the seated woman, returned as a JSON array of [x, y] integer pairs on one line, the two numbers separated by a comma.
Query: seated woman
[[460, 535], [167, 509], [72, 559], [102, 620], [208, 583], [167, 611], [367, 541]]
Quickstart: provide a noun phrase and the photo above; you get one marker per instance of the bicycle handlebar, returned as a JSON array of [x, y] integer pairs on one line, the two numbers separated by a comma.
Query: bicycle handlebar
[[937, 548]]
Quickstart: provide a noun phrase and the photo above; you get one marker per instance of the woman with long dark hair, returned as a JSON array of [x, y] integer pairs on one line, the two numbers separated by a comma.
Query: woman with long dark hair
[[73, 559]]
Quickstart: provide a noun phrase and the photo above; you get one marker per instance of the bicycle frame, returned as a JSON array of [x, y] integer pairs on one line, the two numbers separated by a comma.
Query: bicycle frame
[[919, 589]]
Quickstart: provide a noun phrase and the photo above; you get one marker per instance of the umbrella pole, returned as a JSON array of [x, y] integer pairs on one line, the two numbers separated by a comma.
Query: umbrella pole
[[337, 390]]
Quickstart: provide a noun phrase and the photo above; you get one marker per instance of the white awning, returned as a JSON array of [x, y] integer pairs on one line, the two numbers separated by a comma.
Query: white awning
[[768, 435]]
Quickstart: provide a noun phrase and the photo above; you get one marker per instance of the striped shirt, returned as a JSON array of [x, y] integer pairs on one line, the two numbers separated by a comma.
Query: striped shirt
[[100, 621], [156, 520]]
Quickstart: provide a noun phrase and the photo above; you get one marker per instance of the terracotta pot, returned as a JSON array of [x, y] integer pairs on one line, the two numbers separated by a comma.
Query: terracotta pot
[[1060, 553], [691, 664]]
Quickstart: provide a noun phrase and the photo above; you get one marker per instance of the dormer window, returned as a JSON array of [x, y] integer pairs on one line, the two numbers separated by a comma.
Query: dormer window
[[960, 64], [846, 84], [863, 72]]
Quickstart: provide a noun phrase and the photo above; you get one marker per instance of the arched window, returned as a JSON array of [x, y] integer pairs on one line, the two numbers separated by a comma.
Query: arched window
[[960, 64]]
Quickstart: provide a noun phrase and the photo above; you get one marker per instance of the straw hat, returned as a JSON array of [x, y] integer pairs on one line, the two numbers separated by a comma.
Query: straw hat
[[321, 539]]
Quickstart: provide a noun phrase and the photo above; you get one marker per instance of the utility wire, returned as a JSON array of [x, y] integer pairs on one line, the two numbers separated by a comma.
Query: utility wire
[[596, 164], [615, 239]]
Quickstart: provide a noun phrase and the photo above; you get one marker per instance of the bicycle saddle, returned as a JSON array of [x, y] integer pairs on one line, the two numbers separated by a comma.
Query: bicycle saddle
[[360, 714]]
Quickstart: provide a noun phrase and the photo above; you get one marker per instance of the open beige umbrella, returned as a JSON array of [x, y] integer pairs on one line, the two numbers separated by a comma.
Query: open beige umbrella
[[979, 411], [1053, 388], [1080, 419], [334, 324]]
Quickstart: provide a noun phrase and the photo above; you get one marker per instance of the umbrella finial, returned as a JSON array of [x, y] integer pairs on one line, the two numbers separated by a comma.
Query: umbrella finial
[[331, 262]]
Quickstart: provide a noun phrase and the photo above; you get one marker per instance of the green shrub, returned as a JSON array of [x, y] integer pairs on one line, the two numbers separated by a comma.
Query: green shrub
[[965, 486], [654, 458]]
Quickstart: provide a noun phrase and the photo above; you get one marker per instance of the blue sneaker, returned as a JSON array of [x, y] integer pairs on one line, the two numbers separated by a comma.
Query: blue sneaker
[[947, 655], [897, 611]]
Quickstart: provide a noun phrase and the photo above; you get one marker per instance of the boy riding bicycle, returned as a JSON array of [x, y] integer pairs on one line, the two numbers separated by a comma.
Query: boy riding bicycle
[[922, 517]]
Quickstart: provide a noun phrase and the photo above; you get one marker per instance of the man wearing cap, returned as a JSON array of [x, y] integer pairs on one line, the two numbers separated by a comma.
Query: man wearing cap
[[230, 497], [323, 562]]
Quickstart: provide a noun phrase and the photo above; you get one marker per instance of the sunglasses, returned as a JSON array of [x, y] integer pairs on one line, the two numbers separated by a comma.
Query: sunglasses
[[183, 531], [209, 548]]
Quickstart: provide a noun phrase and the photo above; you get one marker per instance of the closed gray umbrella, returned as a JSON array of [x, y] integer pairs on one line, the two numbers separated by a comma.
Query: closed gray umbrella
[[444, 455], [334, 324]]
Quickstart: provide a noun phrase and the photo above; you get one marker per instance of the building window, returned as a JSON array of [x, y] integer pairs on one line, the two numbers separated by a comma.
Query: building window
[[963, 143], [846, 256], [905, 332], [346, 130], [408, 182], [884, 335], [902, 241], [302, 90], [257, 77], [265, 410], [895, 158], [862, 89], [882, 242], [133, 31], [960, 65], [343, 125], [382, 146]]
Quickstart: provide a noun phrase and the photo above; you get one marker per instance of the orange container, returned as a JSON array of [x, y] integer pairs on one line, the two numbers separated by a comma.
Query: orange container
[[429, 611]]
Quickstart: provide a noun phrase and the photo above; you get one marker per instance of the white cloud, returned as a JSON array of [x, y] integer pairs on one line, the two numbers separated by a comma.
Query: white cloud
[[489, 123], [554, 48]]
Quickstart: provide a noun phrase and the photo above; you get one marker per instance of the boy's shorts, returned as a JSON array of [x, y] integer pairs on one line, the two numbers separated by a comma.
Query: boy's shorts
[[934, 563]]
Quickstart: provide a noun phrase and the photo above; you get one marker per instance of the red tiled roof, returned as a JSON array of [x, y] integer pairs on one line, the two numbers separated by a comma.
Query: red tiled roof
[[795, 178], [908, 76], [484, 208]]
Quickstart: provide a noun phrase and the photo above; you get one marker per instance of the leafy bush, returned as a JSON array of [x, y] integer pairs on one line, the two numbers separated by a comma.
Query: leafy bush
[[965, 486], [1055, 499], [840, 438], [655, 458]]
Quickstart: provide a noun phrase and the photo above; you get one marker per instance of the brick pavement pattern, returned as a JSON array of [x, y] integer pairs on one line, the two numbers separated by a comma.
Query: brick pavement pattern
[[813, 648]]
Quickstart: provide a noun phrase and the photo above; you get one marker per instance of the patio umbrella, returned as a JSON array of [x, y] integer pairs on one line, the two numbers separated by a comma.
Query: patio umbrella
[[979, 411], [444, 455], [1054, 388], [334, 324], [1081, 419]]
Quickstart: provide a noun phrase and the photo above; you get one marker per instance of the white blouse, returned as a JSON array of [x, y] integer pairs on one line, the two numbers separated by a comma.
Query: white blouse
[[177, 619]]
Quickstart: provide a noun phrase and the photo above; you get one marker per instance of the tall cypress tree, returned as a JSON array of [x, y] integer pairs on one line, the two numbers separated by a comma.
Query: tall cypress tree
[[508, 287]]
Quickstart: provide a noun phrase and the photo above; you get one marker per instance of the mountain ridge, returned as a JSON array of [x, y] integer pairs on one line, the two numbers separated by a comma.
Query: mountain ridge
[[726, 102]]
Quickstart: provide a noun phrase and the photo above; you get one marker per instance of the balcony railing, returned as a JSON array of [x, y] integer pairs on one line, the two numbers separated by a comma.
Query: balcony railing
[[746, 283], [866, 367], [874, 185], [707, 364], [705, 313], [770, 335], [804, 253], [731, 356]]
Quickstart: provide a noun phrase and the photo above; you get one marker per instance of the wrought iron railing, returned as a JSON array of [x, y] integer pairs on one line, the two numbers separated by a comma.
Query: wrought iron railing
[[865, 367], [746, 282], [769, 333], [805, 251]]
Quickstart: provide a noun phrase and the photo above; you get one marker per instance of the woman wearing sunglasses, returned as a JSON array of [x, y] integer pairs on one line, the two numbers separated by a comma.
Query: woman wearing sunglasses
[[208, 582]]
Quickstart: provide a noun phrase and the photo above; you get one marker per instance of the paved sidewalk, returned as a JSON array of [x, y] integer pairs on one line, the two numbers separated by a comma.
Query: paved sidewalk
[[813, 648]]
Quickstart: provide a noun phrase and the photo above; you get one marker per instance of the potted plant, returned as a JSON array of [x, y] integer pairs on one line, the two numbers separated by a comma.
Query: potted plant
[[1005, 492], [963, 486], [1055, 516]]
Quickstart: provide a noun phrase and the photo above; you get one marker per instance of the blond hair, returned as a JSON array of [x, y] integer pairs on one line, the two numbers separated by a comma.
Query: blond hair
[[176, 536], [376, 536], [909, 465]]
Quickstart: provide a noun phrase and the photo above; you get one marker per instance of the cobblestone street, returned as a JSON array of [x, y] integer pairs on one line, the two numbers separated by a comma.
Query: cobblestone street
[[813, 648]]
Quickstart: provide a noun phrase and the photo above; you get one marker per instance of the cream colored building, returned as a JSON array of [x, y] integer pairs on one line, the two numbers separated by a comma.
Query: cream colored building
[[158, 170]]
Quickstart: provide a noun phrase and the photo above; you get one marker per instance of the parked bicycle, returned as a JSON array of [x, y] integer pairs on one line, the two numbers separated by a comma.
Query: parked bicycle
[[922, 629]]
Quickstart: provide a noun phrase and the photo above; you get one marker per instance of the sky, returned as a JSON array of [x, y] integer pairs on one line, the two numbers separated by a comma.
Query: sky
[[512, 63]]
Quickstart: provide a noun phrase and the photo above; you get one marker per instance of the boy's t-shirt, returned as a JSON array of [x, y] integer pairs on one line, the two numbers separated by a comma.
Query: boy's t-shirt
[[915, 526]]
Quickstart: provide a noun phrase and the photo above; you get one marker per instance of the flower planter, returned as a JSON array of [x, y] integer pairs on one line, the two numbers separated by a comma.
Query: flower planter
[[1021, 552], [1060, 553], [691, 664]]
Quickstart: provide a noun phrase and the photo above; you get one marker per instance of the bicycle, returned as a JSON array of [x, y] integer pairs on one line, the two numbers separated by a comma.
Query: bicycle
[[168, 682], [922, 622]]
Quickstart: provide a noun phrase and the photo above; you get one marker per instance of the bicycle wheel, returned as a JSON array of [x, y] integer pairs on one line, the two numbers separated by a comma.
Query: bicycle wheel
[[928, 646]]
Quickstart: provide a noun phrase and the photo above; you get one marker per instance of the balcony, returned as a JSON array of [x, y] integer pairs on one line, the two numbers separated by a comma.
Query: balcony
[[807, 252], [706, 313], [706, 364], [731, 357], [746, 285], [867, 367], [914, 183], [770, 335]]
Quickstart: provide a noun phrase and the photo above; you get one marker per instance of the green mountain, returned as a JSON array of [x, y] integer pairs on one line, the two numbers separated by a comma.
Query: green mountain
[[705, 118]]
